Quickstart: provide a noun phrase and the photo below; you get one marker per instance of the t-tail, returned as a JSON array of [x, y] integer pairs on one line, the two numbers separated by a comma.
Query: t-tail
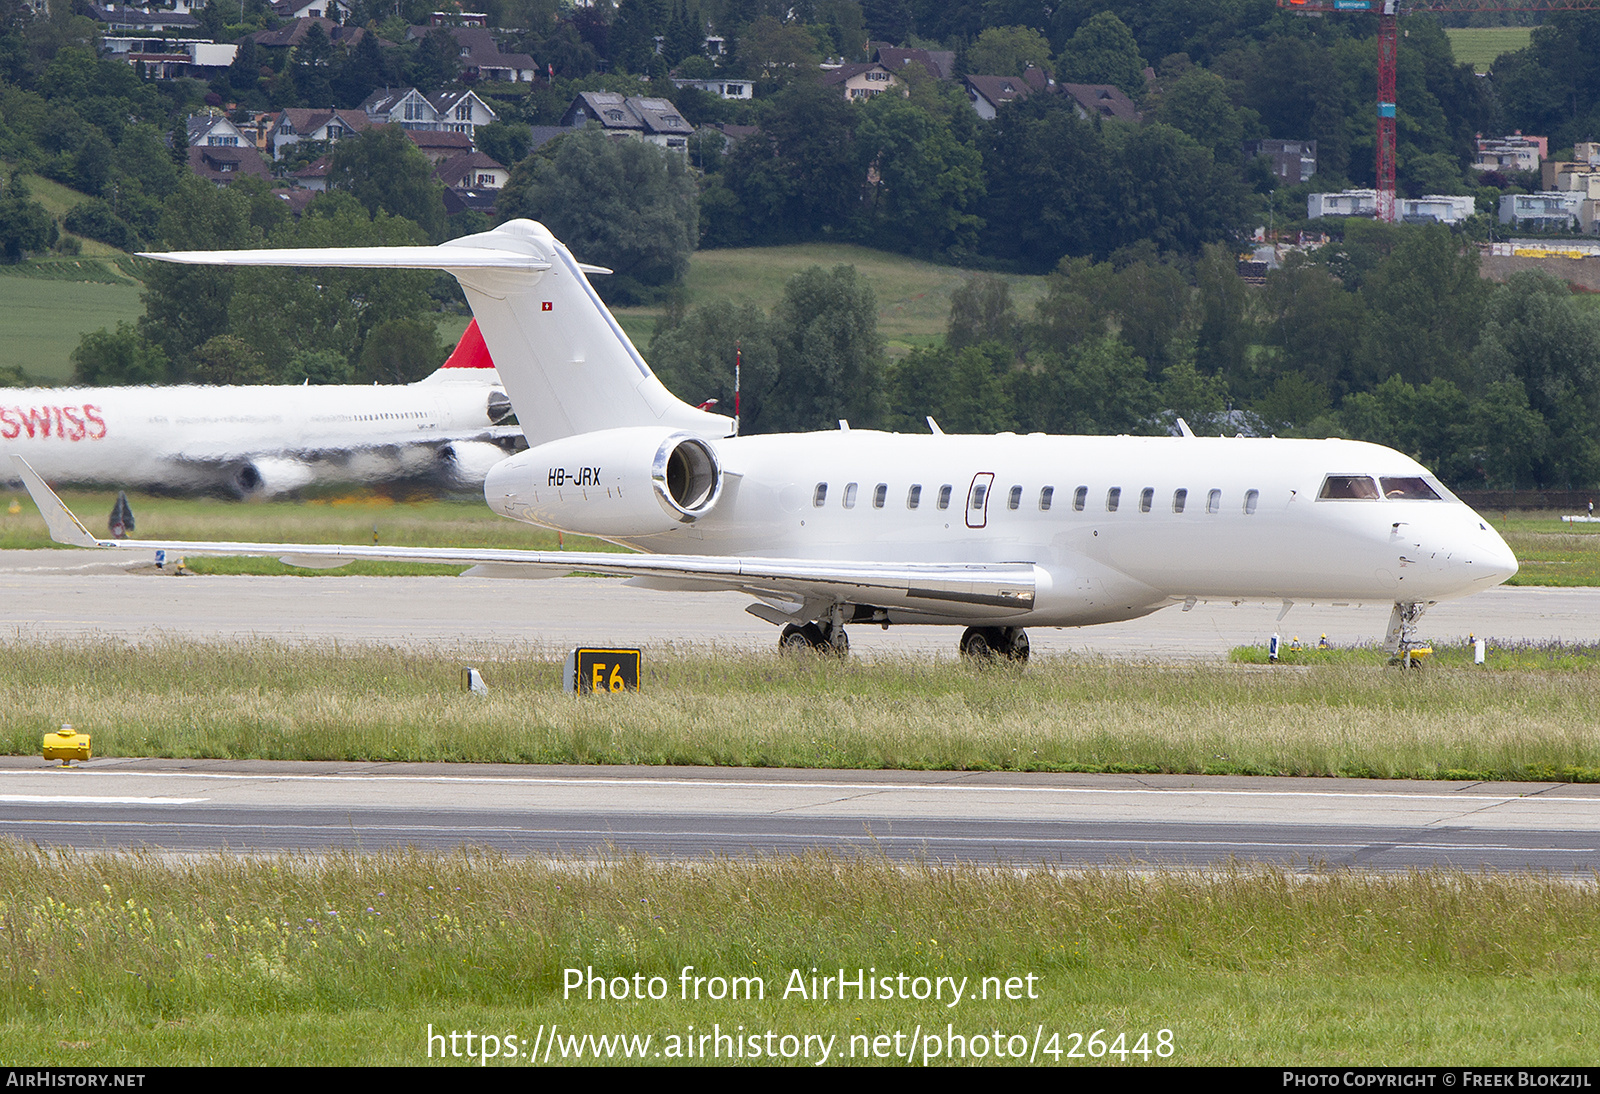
[[566, 363]]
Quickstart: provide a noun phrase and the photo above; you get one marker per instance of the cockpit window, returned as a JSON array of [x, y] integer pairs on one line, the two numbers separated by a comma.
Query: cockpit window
[[1348, 488], [1411, 488]]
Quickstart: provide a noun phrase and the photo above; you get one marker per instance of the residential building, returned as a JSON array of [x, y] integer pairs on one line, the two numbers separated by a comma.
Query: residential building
[[1292, 161], [218, 151], [292, 34], [653, 120], [990, 93], [298, 124], [1546, 211], [722, 88], [337, 10], [441, 112], [1440, 208], [472, 171], [1104, 101], [1513, 153], [860, 81], [480, 54], [940, 63], [122, 19], [168, 58]]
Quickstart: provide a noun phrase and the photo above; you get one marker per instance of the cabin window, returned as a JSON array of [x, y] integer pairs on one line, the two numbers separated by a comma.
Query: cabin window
[[944, 496], [1079, 498], [1348, 488], [1015, 500], [1180, 498], [1147, 498], [1046, 496], [1113, 499], [1411, 488], [849, 495], [820, 498], [880, 495], [1214, 501], [914, 496], [979, 492], [1250, 499]]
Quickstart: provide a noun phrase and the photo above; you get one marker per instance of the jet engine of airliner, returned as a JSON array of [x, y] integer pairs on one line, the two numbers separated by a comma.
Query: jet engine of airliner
[[268, 476], [465, 464], [617, 483]]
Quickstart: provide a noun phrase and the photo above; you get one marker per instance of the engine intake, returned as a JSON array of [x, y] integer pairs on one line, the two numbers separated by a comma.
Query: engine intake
[[687, 477]]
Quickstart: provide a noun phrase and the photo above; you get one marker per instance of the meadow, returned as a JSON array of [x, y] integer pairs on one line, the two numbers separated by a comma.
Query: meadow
[[1480, 46], [1528, 715], [137, 960]]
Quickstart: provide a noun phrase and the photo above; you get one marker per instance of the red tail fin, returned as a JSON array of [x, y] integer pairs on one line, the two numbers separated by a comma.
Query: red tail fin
[[470, 352]]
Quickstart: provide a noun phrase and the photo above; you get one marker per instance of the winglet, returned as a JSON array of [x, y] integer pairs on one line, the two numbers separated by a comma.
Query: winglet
[[64, 527]]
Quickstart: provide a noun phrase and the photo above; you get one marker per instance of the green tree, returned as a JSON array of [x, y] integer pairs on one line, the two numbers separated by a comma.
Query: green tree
[[1425, 304], [965, 390], [627, 205], [1103, 51], [400, 351], [1008, 51], [386, 172], [1098, 387], [25, 225], [695, 358], [925, 185], [830, 356], [981, 311], [227, 359], [121, 357]]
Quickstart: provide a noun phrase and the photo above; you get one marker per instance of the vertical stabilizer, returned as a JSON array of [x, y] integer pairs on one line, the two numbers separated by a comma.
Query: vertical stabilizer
[[564, 360]]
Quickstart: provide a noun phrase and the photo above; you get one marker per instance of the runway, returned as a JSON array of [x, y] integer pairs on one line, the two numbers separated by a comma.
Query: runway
[[197, 806], [684, 813]]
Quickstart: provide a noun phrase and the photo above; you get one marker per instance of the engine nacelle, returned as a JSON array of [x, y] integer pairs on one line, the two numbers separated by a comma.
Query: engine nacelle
[[465, 464], [617, 483], [268, 476]]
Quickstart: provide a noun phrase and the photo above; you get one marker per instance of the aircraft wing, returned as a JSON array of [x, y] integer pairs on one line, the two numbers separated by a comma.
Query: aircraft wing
[[979, 590]]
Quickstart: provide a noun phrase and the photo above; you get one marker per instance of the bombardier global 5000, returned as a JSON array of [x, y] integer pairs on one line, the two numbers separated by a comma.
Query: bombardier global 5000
[[447, 429], [852, 526]]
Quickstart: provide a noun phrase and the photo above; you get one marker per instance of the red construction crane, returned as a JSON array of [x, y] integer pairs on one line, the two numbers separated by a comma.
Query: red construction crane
[[1388, 13]]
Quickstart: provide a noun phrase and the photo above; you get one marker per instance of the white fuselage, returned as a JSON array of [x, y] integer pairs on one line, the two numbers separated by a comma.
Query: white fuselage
[[242, 439], [1251, 525]]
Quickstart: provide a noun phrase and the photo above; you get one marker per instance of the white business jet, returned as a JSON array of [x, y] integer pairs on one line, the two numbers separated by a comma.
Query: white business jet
[[822, 530], [258, 441]]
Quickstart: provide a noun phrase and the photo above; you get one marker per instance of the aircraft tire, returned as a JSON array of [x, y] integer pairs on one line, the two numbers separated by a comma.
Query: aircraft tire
[[977, 644], [793, 639], [1016, 647]]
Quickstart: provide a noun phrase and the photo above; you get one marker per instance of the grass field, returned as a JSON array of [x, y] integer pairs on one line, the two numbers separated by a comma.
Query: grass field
[[45, 319], [1528, 719], [356, 518], [1550, 552], [140, 960], [913, 296], [1479, 46]]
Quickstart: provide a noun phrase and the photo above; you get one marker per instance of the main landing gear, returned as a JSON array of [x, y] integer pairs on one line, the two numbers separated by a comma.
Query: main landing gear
[[990, 643], [824, 637]]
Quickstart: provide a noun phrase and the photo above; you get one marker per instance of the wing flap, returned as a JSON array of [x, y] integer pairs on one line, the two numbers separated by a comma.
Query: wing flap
[[975, 589]]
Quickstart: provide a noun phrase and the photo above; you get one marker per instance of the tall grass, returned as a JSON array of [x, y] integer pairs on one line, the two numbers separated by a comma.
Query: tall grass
[[135, 959], [698, 706]]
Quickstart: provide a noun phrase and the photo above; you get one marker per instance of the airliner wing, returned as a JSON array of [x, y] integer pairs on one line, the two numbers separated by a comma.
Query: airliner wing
[[954, 589]]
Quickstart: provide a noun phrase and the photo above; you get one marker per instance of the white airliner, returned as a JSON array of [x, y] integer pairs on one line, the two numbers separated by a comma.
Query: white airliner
[[827, 529], [449, 428]]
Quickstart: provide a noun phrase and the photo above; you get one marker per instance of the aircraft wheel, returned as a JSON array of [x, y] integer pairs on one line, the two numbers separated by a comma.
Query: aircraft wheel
[[977, 644], [838, 643], [1017, 648], [793, 639]]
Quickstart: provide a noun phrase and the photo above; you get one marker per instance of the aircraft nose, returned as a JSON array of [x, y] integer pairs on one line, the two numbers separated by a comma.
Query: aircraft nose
[[1491, 559]]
